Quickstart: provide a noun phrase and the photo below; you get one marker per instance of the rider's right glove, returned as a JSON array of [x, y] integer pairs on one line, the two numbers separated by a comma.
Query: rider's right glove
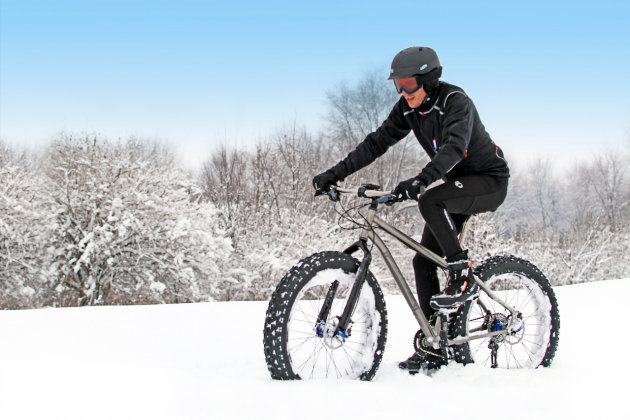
[[410, 189], [323, 181]]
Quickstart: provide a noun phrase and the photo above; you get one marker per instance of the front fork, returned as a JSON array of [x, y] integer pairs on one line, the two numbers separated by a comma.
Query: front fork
[[342, 329], [353, 298]]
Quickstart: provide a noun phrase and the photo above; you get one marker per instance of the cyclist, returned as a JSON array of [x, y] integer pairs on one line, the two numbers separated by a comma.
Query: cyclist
[[446, 124]]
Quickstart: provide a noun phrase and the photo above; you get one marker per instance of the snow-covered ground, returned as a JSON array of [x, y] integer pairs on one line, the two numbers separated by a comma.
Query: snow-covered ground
[[205, 361]]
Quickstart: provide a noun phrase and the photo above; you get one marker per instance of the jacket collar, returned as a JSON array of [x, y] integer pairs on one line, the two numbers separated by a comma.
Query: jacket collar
[[431, 99]]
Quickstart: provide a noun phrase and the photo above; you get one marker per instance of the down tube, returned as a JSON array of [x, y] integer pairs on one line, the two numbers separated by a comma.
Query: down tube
[[402, 285]]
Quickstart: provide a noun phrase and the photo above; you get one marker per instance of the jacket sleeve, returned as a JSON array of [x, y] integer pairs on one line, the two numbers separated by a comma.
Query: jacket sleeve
[[457, 126], [375, 144]]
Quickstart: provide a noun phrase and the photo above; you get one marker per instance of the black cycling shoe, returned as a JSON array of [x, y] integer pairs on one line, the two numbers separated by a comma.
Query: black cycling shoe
[[461, 285], [422, 362], [456, 293], [413, 364]]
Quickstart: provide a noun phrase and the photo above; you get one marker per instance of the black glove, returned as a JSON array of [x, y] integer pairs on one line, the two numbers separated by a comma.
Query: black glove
[[410, 189], [323, 181]]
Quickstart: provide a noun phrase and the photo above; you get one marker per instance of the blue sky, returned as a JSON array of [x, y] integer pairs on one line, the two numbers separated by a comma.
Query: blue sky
[[550, 78]]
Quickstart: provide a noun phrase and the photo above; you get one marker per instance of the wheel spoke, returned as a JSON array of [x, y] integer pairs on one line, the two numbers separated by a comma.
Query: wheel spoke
[[312, 353], [522, 286]]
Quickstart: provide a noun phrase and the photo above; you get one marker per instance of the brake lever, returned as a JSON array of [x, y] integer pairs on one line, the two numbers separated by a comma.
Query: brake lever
[[388, 199], [333, 194]]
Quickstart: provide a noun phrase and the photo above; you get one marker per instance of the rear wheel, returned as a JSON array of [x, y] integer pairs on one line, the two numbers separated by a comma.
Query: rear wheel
[[523, 286], [296, 347]]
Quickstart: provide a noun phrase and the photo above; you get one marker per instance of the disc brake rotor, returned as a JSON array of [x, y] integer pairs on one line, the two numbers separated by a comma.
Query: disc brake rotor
[[500, 322], [331, 339]]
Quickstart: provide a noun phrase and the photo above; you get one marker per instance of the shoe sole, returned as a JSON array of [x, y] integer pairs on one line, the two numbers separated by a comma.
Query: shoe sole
[[453, 307]]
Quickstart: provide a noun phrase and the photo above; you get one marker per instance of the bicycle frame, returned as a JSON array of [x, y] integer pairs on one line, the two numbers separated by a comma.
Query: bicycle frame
[[368, 234]]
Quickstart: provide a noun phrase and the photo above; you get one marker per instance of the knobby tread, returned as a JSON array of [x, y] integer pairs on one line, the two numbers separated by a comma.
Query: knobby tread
[[510, 264], [275, 334]]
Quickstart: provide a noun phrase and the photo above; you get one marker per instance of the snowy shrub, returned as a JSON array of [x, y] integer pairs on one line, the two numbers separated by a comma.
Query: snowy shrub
[[24, 211], [95, 222], [129, 227]]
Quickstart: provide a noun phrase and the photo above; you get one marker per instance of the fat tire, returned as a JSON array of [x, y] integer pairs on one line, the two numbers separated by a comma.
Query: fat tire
[[505, 265], [288, 293]]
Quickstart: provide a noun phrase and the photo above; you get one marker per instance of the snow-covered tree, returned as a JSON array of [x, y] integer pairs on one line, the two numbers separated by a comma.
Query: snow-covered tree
[[129, 227], [24, 211], [99, 222]]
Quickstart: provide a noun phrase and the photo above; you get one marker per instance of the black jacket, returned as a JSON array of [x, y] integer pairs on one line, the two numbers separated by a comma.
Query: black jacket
[[448, 128]]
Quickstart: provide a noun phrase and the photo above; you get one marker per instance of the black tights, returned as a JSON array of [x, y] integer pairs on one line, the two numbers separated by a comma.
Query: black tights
[[445, 209]]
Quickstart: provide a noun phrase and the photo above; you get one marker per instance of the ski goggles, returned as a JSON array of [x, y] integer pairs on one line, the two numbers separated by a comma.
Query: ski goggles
[[408, 84]]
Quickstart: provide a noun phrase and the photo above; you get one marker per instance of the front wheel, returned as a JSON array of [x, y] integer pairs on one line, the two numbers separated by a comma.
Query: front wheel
[[297, 347], [523, 286]]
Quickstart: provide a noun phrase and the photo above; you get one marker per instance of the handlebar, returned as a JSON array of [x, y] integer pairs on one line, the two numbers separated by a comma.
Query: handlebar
[[362, 192], [367, 191]]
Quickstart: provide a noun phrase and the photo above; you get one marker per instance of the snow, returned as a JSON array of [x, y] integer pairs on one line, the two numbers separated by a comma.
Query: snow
[[205, 361]]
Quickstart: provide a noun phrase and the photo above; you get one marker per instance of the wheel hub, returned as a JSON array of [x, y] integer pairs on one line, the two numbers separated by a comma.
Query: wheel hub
[[498, 322], [331, 338], [513, 328]]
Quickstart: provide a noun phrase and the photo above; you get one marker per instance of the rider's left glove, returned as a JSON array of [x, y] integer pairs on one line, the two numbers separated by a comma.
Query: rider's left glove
[[410, 189]]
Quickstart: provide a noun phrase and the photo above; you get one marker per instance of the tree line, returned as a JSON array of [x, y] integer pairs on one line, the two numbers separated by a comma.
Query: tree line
[[89, 221]]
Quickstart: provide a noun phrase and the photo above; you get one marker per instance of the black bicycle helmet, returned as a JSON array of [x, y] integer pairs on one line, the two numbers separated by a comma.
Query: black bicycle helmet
[[419, 62]]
